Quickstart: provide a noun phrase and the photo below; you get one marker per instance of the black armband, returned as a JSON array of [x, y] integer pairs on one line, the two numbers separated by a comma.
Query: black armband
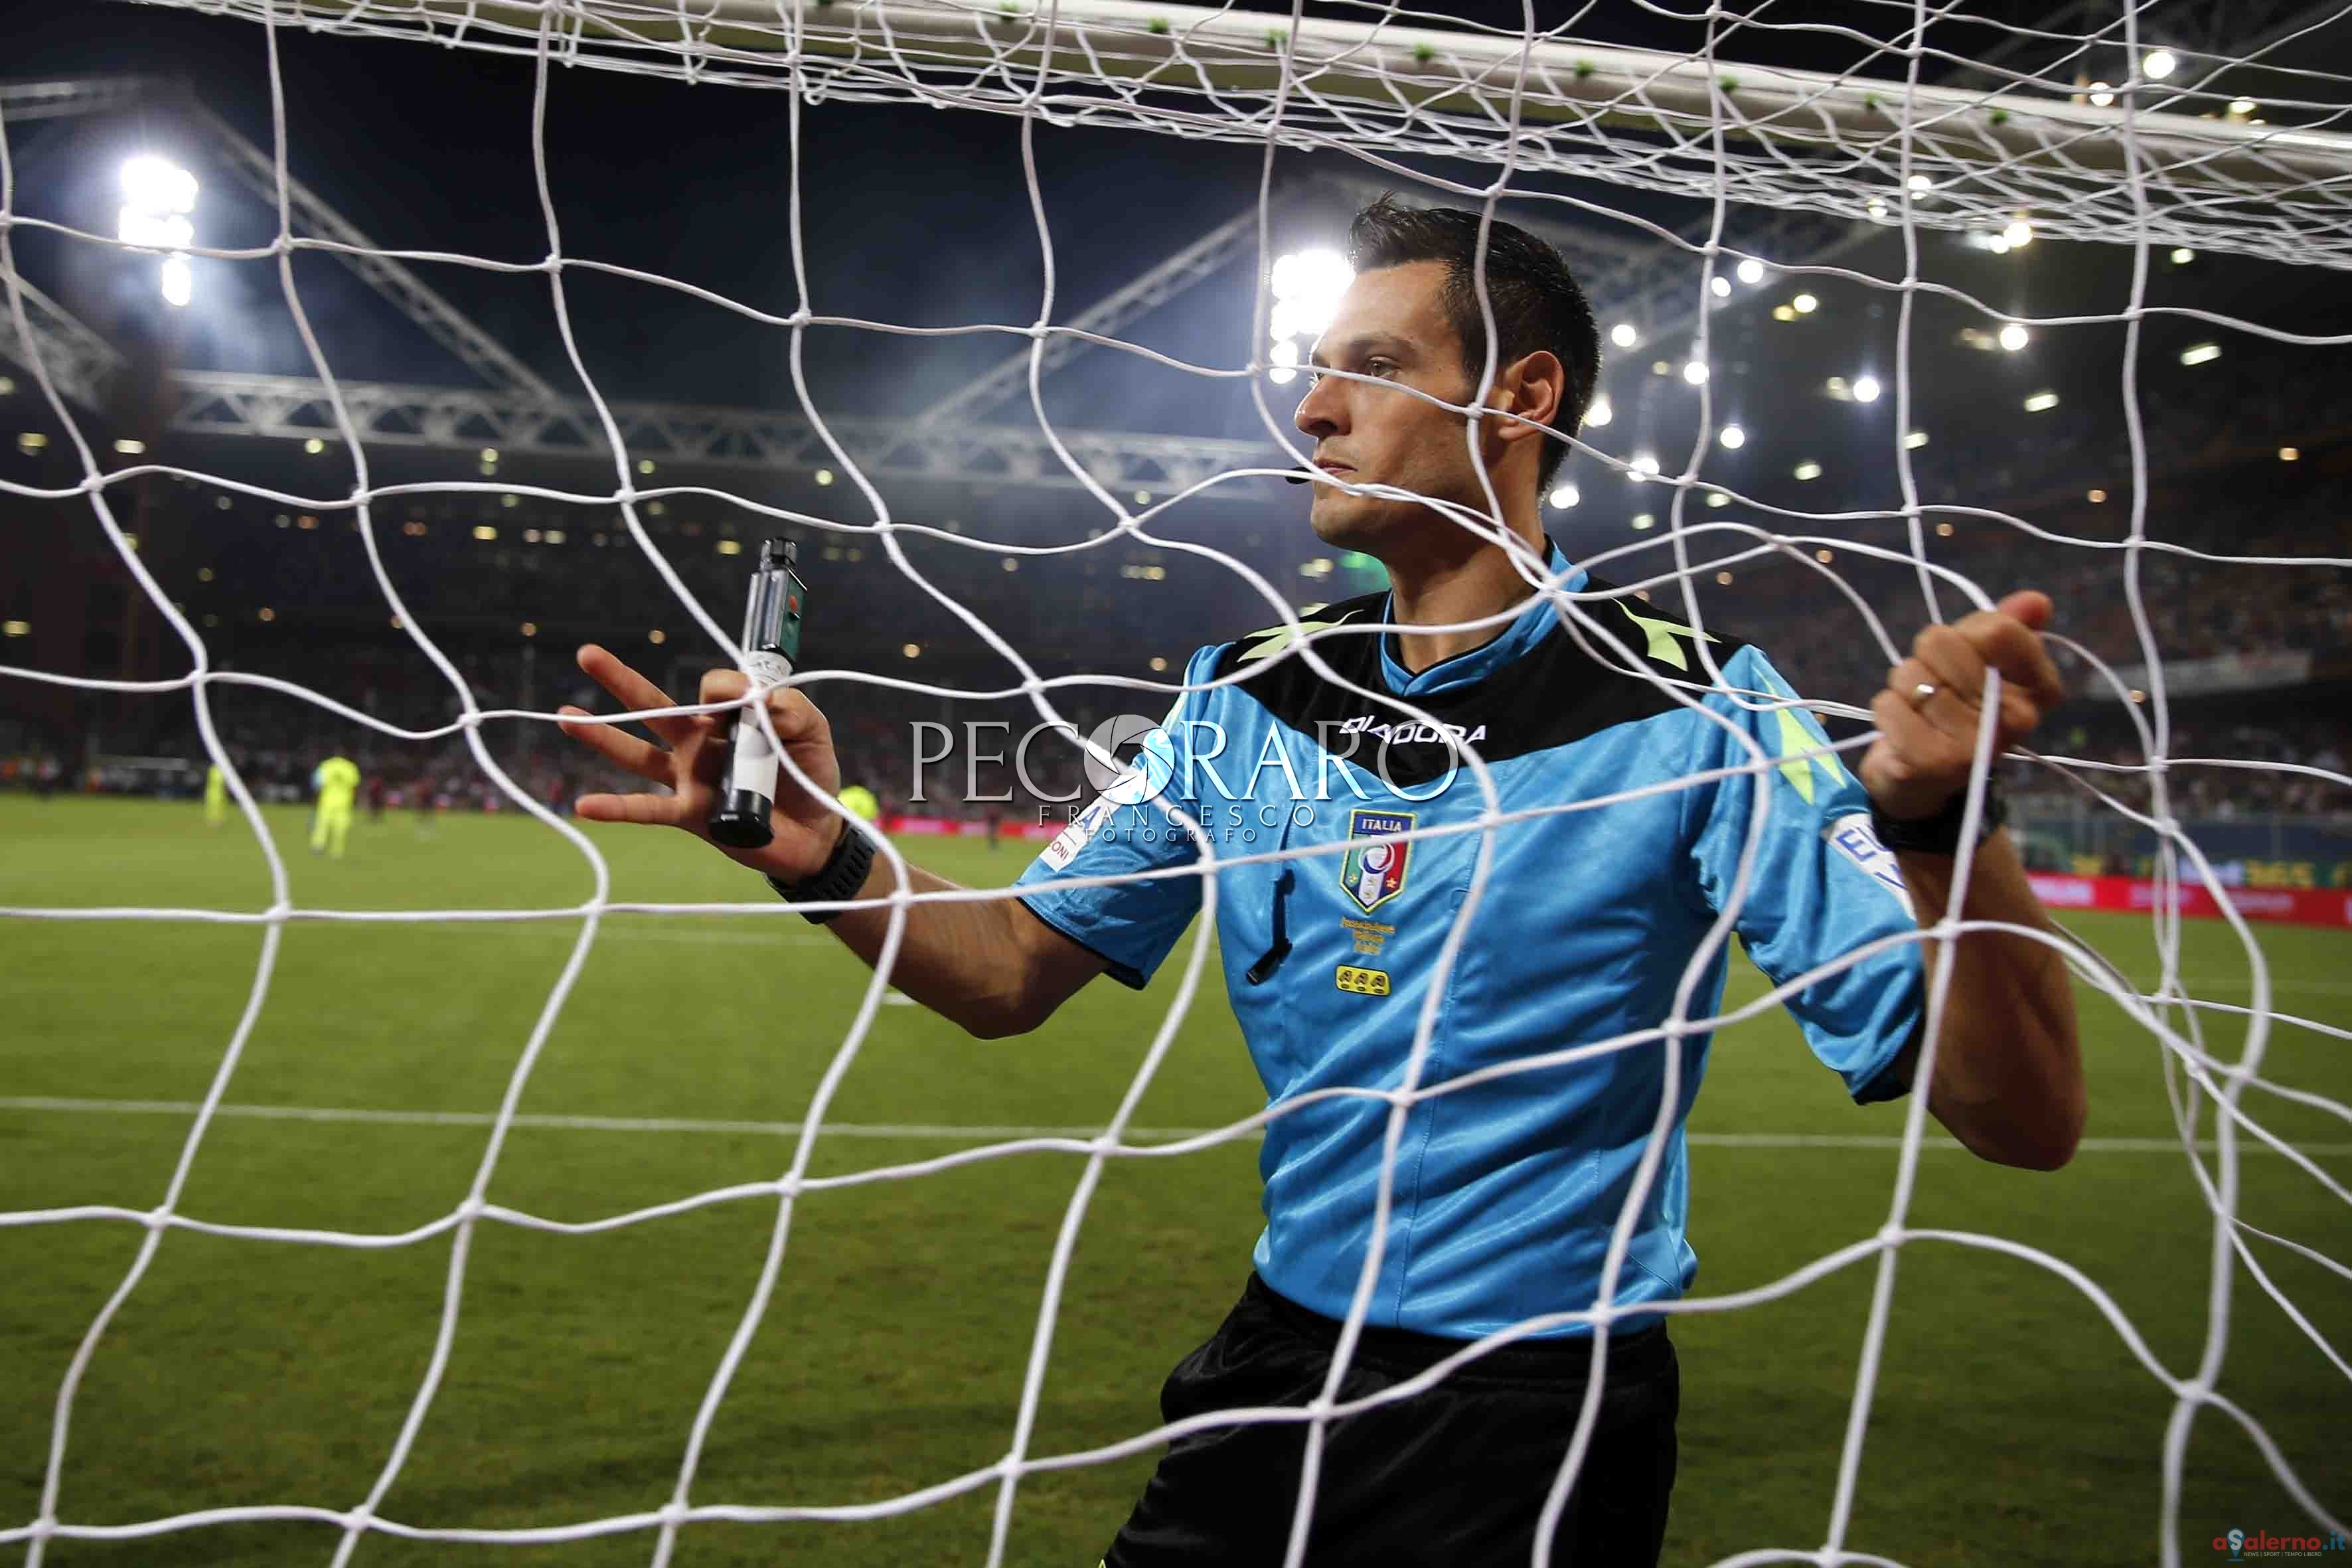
[[843, 873], [1941, 833]]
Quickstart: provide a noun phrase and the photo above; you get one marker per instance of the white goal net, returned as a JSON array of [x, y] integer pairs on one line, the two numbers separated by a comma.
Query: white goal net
[[1708, 197]]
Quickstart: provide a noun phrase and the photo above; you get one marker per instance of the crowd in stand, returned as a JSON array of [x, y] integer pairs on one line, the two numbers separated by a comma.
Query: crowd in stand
[[508, 590]]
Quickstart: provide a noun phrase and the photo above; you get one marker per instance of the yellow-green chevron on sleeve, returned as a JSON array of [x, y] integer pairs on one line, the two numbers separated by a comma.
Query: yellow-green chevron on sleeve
[[1662, 635]]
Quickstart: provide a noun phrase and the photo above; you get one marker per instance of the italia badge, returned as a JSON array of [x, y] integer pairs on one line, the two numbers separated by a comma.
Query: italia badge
[[1374, 873]]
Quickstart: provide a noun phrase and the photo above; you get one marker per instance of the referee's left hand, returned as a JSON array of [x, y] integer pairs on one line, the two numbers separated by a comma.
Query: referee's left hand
[[1928, 714]]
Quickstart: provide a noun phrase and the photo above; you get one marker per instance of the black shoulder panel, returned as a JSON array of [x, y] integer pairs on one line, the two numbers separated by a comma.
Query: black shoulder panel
[[1555, 694]]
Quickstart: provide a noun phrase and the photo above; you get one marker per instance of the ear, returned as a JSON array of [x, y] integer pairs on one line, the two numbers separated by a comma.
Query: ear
[[1533, 388]]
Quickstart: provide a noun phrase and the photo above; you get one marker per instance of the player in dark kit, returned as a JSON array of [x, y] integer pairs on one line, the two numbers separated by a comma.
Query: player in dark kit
[[1504, 1193]]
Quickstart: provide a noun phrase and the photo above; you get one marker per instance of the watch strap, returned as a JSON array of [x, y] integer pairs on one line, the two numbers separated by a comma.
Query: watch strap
[[843, 873], [1941, 833]]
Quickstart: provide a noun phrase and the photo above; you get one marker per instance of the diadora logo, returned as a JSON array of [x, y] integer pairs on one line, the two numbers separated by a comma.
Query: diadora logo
[[1408, 731], [1372, 874]]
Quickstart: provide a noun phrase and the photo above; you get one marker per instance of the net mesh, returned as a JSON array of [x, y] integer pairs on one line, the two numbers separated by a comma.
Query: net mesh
[[1889, 141]]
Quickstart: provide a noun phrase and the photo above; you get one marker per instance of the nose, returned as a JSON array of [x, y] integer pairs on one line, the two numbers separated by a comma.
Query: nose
[[1323, 411]]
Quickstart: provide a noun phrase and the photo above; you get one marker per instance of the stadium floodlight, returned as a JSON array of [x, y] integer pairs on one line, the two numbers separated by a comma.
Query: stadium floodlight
[[1563, 497], [1919, 184], [1283, 352], [2019, 234], [1915, 440], [2041, 401], [1719, 286], [147, 230], [2289, 454], [2201, 354], [1718, 498], [157, 186], [2014, 337], [1624, 335], [1311, 274], [2102, 94], [1282, 376], [1306, 287], [1644, 466], [1643, 521], [1750, 270], [1808, 469], [1599, 410], [1804, 304], [1865, 389], [2158, 65], [2182, 256], [2243, 106], [1695, 372], [158, 197], [1732, 436]]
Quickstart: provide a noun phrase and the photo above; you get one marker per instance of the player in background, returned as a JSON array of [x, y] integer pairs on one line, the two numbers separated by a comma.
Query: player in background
[[1507, 1191], [337, 780], [216, 796], [859, 802]]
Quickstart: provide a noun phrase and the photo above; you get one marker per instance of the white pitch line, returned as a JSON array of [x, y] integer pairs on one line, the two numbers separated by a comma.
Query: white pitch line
[[979, 1133]]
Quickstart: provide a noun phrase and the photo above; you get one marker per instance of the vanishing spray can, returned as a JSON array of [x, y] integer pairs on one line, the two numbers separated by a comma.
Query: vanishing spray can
[[771, 642]]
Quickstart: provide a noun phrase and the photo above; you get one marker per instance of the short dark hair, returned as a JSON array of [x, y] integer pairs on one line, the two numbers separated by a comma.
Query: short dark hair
[[1536, 301]]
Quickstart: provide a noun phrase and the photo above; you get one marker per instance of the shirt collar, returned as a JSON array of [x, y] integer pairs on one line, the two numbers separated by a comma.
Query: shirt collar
[[1534, 619]]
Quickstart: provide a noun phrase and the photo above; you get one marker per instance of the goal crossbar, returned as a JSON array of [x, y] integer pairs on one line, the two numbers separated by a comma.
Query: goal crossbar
[[1417, 71]]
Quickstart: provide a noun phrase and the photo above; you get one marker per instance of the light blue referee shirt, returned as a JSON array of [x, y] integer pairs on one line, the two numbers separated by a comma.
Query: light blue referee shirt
[[1506, 1190]]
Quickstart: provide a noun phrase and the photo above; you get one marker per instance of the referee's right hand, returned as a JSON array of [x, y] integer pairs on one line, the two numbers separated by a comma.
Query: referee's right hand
[[693, 754]]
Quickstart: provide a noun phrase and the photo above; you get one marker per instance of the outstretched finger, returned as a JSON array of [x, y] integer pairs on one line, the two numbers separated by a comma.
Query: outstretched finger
[[649, 761], [650, 810], [632, 690]]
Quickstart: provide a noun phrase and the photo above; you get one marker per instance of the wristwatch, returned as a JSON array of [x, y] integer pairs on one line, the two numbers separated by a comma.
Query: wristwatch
[[1941, 833], [843, 873]]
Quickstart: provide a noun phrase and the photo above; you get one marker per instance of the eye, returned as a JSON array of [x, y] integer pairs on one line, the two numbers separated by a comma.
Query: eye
[[1380, 364]]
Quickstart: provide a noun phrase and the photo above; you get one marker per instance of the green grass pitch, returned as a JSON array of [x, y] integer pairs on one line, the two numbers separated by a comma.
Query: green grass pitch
[[2010, 1426]]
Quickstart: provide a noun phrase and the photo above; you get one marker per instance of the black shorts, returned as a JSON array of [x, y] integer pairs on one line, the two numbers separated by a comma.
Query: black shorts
[[1455, 1474]]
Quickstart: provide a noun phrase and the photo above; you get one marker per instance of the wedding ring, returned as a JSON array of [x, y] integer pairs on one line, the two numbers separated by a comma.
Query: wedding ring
[[1920, 694]]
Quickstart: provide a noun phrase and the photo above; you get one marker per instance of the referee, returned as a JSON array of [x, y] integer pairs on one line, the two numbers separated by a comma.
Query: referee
[[1504, 1193]]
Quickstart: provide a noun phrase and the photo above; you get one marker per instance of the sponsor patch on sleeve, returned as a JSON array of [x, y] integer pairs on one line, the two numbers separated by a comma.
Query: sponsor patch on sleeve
[[1852, 837], [1077, 835]]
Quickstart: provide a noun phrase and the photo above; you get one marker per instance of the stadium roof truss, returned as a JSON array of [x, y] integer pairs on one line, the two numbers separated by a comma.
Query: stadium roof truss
[[211, 403], [78, 361]]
